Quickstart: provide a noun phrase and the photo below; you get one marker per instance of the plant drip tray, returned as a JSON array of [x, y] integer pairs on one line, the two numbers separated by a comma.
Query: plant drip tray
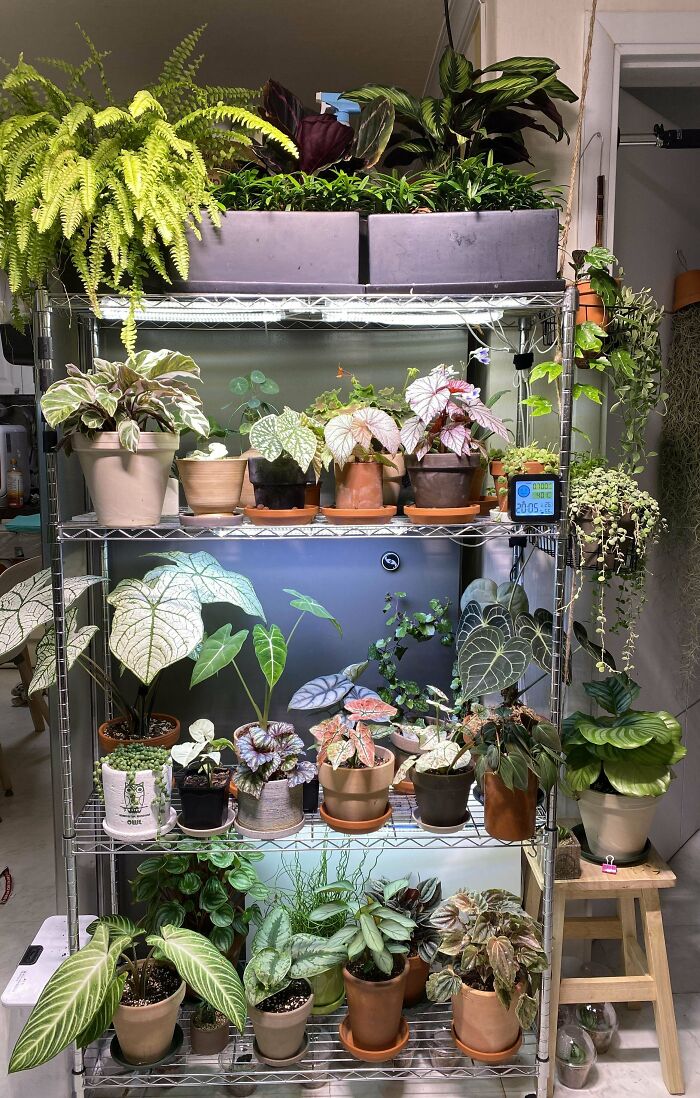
[[435, 829], [175, 1046], [488, 1057], [127, 835], [588, 855], [294, 516], [283, 1063], [197, 833], [212, 521], [354, 827], [441, 516], [283, 833], [351, 516], [373, 1056]]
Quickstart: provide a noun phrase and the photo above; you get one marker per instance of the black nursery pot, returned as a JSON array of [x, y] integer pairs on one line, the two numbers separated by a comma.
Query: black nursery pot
[[442, 798], [311, 793], [279, 484], [203, 808]]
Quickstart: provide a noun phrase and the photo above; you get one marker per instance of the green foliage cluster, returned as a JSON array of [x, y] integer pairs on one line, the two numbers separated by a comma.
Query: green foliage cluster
[[407, 695]]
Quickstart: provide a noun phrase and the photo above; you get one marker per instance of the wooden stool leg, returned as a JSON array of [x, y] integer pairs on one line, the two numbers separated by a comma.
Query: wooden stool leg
[[5, 780], [628, 918], [24, 666], [531, 890], [559, 911], [664, 1015]]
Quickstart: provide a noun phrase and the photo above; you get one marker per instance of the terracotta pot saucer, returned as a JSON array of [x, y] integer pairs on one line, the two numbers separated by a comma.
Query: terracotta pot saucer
[[283, 833], [487, 1057], [373, 1056], [175, 1045], [441, 516], [212, 521], [295, 516], [405, 787], [436, 829], [351, 516], [195, 833], [286, 1062], [354, 827]]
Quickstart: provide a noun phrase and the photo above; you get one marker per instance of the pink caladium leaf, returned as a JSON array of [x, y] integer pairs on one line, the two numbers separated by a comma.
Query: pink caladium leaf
[[370, 709], [327, 733], [428, 396], [361, 736], [341, 751]]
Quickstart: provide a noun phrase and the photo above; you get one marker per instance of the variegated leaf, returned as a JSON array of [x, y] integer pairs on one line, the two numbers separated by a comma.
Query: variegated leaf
[[201, 965], [271, 651], [30, 604], [489, 661], [428, 396], [341, 438], [299, 441], [155, 624], [412, 434], [210, 580], [263, 437], [370, 709], [65, 398], [76, 641]]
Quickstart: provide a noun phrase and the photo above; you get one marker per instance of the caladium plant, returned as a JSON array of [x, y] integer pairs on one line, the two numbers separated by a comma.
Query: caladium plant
[[152, 388], [449, 416], [202, 748], [269, 754], [366, 434], [347, 739]]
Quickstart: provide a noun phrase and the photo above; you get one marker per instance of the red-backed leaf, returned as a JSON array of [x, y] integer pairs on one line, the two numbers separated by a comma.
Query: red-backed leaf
[[326, 733], [364, 744], [540, 101], [282, 108], [322, 141], [370, 709], [507, 148]]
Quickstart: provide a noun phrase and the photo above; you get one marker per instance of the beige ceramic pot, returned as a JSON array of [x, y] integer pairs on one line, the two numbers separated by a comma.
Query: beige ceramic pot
[[171, 503], [392, 477], [145, 1033], [482, 1023], [212, 487], [358, 794], [615, 824], [358, 486], [126, 489], [280, 1036]]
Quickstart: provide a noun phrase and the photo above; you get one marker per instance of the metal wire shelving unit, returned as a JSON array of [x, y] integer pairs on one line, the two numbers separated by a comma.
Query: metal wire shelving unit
[[520, 319]]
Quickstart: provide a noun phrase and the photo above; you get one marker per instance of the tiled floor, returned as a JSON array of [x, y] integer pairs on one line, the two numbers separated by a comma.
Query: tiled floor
[[631, 1067]]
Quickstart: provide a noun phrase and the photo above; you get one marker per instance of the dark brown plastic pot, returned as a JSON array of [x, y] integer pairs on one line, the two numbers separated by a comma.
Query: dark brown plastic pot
[[203, 808], [206, 1042], [279, 484], [509, 814], [442, 480], [442, 798], [358, 485], [374, 1009], [109, 743], [416, 979]]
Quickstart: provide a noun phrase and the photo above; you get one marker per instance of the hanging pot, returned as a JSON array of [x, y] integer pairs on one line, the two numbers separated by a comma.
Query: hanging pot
[[279, 484], [686, 290], [374, 1010], [483, 1025], [358, 794], [145, 1033], [615, 824], [590, 306], [509, 814], [126, 489], [442, 480], [212, 487], [358, 486]]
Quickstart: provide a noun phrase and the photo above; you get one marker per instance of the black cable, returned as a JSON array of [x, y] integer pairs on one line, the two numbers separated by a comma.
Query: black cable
[[448, 25]]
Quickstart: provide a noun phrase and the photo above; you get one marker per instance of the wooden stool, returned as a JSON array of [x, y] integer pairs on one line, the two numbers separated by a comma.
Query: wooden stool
[[646, 977]]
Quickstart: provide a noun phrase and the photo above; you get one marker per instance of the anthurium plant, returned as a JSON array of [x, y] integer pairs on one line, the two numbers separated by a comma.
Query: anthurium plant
[[447, 414], [348, 738], [278, 956], [79, 1000], [374, 935]]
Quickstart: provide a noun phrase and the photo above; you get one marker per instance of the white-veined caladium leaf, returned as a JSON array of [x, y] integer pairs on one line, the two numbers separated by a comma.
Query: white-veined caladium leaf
[[76, 641], [263, 437], [29, 604], [476, 614], [344, 432], [210, 580], [155, 623], [490, 661], [321, 693], [298, 440]]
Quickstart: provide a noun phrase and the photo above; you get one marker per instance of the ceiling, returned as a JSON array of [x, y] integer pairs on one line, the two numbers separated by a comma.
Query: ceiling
[[309, 45]]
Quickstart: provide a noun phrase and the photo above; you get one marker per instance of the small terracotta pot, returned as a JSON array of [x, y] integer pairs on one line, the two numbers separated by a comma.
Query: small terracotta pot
[[590, 306], [358, 486], [374, 1009], [312, 495], [417, 978], [442, 798], [145, 1033], [280, 1036], [358, 794], [482, 1023], [498, 472], [212, 487], [686, 290], [442, 480], [206, 1042], [509, 814], [503, 481], [167, 740], [392, 478]]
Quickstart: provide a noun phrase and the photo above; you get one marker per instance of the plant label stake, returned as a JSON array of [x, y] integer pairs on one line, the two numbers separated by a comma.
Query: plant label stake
[[608, 865]]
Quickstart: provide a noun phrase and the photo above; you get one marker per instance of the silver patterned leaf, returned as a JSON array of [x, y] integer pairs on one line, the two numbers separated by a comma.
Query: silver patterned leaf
[[488, 661], [210, 580], [155, 624], [76, 641], [321, 693], [476, 614], [537, 628]]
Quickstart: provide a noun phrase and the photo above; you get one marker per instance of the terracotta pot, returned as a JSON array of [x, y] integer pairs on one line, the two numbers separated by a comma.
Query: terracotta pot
[[442, 798], [168, 739], [328, 989], [590, 306], [615, 824], [509, 814], [503, 481], [374, 1009], [477, 487], [312, 495], [442, 480], [279, 485], [358, 486], [500, 481], [358, 794], [280, 1036], [145, 1033], [482, 1023], [416, 979], [212, 487], [126, 489], [392, 479], [686, 290], [207, 1042]]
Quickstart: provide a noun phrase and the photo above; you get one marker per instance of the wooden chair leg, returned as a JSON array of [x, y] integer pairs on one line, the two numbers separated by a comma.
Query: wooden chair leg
[[5, 780], [531, 889], [664, 1014], [628, 918], [24, 666], [558, 914]]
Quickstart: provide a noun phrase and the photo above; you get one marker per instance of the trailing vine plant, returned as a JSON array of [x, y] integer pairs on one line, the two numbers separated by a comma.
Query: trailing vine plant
[[131, 759], [407, 695]]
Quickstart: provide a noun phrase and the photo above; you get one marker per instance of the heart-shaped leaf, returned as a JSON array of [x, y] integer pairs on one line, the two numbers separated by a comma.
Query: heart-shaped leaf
[[476, 614], [218, 651], [537, 628], [263, 437], [298, 440], [76, 641], [370, 709], [155, 624], [211, 581], [271, 651], [489, 661], [321, 693], [29, 604]]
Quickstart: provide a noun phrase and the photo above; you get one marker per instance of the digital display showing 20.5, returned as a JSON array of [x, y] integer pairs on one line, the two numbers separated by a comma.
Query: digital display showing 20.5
[[535, 499]]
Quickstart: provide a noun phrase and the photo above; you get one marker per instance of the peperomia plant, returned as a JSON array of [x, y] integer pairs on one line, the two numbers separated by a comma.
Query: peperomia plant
[[347, 739], [418, 901], [495, 946], [374, 934], [278, 957], [292, 433], [448, 413], [270, 754], [150, 388]]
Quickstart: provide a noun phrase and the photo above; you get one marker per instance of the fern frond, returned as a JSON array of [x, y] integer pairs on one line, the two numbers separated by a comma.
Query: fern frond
[[180, 66], [144, 102], [110, 116], [240, 117]]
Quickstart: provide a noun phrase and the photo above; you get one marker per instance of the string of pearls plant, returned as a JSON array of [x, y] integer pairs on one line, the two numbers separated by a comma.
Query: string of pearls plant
[[132, 758]]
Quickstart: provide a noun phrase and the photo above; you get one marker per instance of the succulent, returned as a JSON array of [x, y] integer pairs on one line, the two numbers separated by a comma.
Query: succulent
[[268, 754], [494, 945], [448, 413], [347, 739], [418, 902], [373, 933], [278, 956]]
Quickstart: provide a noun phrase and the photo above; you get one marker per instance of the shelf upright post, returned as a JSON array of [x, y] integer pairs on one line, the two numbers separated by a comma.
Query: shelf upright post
[[568, 324]]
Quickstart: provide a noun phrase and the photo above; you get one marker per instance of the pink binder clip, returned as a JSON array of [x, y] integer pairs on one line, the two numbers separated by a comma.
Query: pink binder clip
[[608, 865]]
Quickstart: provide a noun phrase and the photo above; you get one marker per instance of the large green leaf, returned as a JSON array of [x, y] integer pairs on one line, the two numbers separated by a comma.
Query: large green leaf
[[490, 661], [271, 651], [614, 694], [218, 651], [456, 72], [315, 959], [67, 1005], [29, 604], [155, 624], [373, 133], [632, 779], [537, 628], [310, 606], [275, 931], [582, 769], [404, 103], [76, 641], [476, 614], [633, 729], [104, 1015], [435, 115], [506, 89], [65, 398], [511, 596], [528, 66], [211, 581], [201, 965], [299, 441], [371, 933]]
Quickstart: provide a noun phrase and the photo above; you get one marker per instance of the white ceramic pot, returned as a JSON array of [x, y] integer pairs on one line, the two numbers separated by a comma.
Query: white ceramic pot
[[133, 814], [171, 503], [615, 824], [126, 489]]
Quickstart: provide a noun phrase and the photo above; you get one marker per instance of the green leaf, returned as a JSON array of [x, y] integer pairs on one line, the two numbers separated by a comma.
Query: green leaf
[[539, 406], [271, 966], [505, 89], [129, 434], [324, 912], [589, 391], [633, 779], [434, 115], [29, 604], [239, 386], [310, 606], [582, 769], [65, 398], [550, 370], [105, 1014], [371, 933], [211, 581], [202, 966], [76, 641], [275, 932], [537, 629], [299, 441], [155, 624], [456, 72], [403, 102], [373, 133], [264, 437], [271, 651], [218, 651], [490, 661]]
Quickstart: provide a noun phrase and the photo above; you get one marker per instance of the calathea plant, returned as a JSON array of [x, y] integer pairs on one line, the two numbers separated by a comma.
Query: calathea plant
[[418, 901], [278, 957], [374, 934]]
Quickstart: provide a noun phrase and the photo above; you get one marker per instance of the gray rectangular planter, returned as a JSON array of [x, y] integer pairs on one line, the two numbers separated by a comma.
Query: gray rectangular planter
[[436, 250], [258, 251]]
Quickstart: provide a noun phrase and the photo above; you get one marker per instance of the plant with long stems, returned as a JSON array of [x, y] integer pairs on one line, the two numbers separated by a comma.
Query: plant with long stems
[[445, 743]]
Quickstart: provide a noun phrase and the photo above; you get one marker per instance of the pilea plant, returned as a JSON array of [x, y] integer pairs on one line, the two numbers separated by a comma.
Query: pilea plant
[[493, 945], [278, 957], [418, 901], [132, 758], [449, 415], [407, 695], [373, 935], [348, 739], [254, 388]]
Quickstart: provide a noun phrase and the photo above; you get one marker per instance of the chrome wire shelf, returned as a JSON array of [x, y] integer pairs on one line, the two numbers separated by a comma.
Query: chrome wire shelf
[[423, 1059], [400, 831], [477, 533]]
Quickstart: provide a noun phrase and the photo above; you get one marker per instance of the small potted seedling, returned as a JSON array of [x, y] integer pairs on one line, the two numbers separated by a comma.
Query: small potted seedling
[[202, 782], [135, 783], [576, 1055], [209, 1031]]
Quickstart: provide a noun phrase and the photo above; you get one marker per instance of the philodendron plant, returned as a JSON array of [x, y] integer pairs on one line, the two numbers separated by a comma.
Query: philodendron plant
[[627, 751], [292, 433], [374, 933], [492, 945], [80, 999], [278, 956], [151, 387]]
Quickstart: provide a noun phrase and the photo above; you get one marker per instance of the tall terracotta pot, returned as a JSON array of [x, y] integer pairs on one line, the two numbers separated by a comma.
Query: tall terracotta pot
[[509, 814], [358, 486], [590, 306], [126, 489], [145, 1033], [416, 979], [280, 1036], [374, 1010], [358, 794], [247, 498], [212, 487], [483, 1024]]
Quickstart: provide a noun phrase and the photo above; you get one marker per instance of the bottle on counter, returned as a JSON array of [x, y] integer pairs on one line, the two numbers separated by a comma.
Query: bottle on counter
[[15, 486]]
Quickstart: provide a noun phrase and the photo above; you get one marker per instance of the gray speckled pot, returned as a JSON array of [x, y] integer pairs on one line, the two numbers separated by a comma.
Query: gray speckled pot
[[278, 809]]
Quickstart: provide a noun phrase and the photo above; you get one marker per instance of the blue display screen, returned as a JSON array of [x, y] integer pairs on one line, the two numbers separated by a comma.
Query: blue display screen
[[535, 499]]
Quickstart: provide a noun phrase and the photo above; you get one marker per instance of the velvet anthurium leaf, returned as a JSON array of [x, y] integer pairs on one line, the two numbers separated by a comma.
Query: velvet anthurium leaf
[[476, 614], [537, 628], [489, 661]]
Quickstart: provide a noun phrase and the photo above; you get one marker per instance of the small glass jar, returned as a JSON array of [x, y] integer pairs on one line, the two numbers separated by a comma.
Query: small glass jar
[[444, 1054], [575, 1055], [238, 1058], [599, 1021]]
